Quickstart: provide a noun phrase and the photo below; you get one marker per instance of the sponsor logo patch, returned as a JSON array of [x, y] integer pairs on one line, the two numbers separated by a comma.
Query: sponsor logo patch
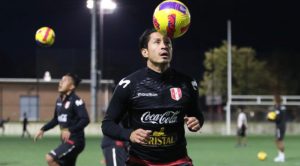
[[195, 85], [161, 139], [145, 95], [78, 102], [169, 117], [124, 83], [62, 118]]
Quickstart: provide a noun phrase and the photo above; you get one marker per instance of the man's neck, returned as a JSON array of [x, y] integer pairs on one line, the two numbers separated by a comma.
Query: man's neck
[[64, 95], [159, 68]]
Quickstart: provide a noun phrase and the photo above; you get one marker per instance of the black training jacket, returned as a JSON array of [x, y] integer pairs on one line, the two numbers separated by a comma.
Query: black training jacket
[[157, 102]]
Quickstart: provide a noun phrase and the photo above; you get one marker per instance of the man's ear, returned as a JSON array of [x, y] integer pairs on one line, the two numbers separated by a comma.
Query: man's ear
[[72, 87], [144, 52]]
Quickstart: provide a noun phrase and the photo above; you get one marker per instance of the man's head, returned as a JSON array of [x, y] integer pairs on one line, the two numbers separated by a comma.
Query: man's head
[[277, 99], [68, 83], [240, 110], [156, 48]]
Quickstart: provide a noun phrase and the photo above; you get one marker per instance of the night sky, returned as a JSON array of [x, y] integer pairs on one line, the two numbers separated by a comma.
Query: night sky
[[267, 26]]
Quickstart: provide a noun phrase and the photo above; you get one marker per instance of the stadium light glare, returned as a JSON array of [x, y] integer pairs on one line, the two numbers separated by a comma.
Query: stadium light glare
[[90, 4], [108, 5]]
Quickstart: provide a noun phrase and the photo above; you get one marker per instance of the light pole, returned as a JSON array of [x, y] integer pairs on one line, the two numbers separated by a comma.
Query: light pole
[[104, 6], [229, 79]]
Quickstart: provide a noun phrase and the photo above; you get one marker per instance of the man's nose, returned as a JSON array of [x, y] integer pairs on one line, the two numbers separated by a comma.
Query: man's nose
[[164, 45]]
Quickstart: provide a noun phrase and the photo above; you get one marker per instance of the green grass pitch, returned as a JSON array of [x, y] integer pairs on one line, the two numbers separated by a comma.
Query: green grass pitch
[[204, 150]]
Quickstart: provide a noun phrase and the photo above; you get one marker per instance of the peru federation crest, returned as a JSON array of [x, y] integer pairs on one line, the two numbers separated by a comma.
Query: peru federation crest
[[67, 104], [176, 93]]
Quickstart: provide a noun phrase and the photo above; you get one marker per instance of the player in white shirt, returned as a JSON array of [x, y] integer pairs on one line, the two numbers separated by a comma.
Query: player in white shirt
[[241, 128]]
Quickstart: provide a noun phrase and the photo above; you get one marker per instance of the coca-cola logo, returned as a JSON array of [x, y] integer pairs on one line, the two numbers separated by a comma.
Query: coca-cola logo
[[168, 117]]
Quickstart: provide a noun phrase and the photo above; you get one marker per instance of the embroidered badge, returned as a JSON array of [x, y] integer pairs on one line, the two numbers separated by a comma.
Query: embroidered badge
[[176, 93], [67, 105]]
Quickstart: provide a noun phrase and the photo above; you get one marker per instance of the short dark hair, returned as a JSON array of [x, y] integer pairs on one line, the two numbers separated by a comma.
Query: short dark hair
[[76, 80], [145, 37]]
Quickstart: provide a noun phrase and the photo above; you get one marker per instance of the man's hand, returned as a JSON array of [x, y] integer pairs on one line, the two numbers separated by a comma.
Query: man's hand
[[192, 123], [65, 134], [38, 135], [140, 136]]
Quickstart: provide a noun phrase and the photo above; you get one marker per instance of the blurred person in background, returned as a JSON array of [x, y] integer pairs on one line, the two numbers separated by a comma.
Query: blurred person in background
[[241, 128], [2, 124], [280, 123], [25, 123], [71, 115], [115, 151]]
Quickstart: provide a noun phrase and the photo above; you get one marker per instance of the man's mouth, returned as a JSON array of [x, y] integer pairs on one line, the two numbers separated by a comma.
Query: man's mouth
[[164, 54]]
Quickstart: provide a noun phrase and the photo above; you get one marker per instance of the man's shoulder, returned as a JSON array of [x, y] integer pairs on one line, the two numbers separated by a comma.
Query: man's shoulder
[[139, 74], [181, 75], [73, 95], [76, 99], [131, 78]]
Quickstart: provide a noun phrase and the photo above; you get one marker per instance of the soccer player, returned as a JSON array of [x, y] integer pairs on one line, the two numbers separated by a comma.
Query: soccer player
[[115, 151], [241, 128], [71, 115], [25, 123], [280, 122], [2, 126], [159, 102]]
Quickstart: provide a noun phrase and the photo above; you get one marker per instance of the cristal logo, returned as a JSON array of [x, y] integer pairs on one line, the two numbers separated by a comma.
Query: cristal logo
[[168, 117]]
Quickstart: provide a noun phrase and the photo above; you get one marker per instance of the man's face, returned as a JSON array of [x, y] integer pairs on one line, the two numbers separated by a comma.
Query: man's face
[[159, 49], [65, 84]]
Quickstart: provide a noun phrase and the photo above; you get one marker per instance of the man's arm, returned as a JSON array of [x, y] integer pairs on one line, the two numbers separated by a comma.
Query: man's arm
[[195, 118], [46, 127], [115, 112], [81, 112], [52, 123]]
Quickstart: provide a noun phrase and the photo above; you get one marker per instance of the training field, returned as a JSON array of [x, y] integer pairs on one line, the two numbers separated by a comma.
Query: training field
[[204, 150]]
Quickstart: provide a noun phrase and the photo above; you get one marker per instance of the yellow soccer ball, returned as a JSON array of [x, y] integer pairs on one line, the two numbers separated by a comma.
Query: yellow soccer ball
[[271, 116], [45, 36], [262, 155], [171, 18]]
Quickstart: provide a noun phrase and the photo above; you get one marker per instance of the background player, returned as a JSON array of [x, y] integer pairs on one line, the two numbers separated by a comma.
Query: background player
[[115, 151], [2, 124], [72, 117], [241, 128], [280, 122], [25, 123]]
